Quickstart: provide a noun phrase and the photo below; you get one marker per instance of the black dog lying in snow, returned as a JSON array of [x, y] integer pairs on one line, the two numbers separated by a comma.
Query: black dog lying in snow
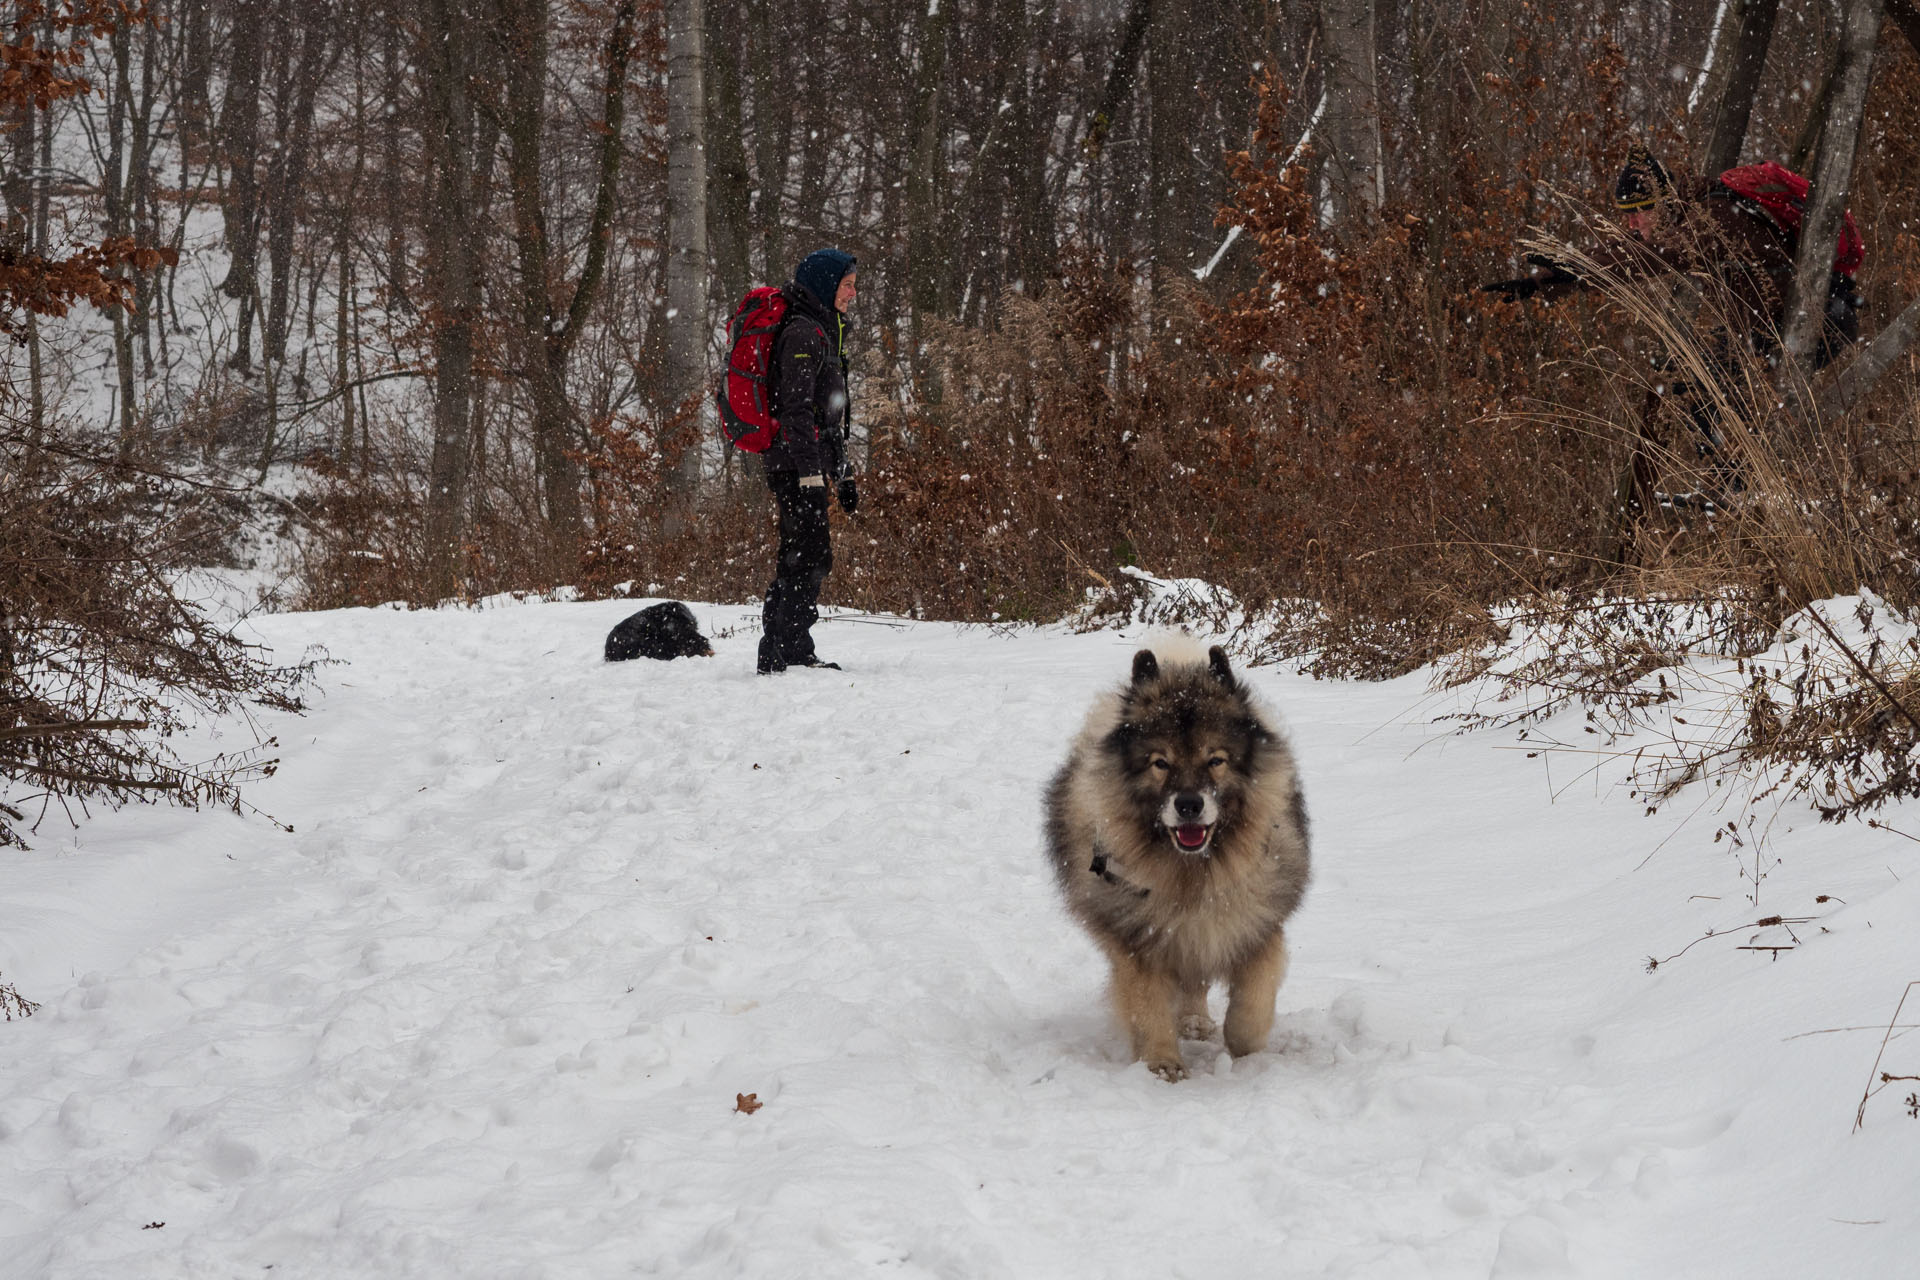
[[662, 631]]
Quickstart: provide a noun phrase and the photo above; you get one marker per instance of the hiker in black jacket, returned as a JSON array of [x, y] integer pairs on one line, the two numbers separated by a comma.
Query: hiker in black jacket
[[808, 457]]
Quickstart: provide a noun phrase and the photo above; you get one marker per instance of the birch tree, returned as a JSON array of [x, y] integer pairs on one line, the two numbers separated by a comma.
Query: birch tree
[[686, 344]]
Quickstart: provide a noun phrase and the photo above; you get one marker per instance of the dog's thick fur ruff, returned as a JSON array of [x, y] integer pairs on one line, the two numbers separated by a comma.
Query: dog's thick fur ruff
[[1179, 838], [664, 631]]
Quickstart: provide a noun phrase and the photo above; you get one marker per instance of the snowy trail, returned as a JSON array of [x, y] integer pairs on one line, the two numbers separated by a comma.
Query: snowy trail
[[487, 1011]]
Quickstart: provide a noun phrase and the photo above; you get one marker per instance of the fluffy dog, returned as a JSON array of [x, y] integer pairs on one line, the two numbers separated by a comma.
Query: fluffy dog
[[1179, 838], [663, 631]]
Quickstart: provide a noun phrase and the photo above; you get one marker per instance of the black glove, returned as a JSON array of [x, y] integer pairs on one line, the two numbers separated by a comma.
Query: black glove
[[849, 495], [1513, 290], [1527, 286], [1557, 272]]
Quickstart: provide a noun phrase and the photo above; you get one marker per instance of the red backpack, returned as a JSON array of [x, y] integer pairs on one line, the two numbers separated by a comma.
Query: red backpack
[[746, 391], [1781, 195]]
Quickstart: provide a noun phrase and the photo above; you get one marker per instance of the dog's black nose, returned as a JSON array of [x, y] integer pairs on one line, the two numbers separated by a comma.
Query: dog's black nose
[[1188, 805]]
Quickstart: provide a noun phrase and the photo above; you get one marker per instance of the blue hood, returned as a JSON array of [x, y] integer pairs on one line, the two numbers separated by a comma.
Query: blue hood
[[821, 273]]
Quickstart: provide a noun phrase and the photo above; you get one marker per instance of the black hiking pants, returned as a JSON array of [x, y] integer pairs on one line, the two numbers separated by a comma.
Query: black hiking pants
[[806, 557]]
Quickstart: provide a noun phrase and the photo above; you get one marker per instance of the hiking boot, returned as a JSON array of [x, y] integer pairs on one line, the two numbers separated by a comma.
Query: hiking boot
[[815, 660], [770, 663]]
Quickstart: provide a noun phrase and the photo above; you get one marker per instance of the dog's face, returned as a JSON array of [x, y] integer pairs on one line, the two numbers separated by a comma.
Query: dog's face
[[1186, 744]]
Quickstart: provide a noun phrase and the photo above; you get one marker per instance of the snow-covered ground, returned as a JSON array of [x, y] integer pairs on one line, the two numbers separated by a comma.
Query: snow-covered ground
[[489, 1009]]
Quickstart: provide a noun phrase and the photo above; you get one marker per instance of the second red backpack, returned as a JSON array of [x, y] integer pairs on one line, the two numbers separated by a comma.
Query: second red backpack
[[1781, 195], [745, 392]]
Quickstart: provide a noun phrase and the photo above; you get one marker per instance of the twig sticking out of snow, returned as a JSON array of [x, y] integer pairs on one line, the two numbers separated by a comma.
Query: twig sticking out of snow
[[11, 1002], [1860, 1114]]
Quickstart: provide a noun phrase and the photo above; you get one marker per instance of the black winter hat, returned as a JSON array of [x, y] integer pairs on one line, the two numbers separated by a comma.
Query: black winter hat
[[1643, 182], [821, 272]]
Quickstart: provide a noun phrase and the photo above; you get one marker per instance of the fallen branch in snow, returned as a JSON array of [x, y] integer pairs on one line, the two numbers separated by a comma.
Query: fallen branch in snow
[[11, 1002], [1764, 922], [865, 619], [70, 726], [1860, 1113], [1834, 1031]]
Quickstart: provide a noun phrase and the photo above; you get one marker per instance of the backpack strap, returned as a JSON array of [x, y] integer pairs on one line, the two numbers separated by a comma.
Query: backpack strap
[[780, 332]]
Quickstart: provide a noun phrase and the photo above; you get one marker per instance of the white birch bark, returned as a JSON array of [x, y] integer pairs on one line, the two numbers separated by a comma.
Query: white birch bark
[[686, 339]]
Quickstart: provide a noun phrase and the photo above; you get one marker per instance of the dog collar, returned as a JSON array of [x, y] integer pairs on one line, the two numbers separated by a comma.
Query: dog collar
[[1099, 867]]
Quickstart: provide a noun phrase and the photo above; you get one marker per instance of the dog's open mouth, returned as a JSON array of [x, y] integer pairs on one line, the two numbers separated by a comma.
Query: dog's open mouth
[[1192, 837]]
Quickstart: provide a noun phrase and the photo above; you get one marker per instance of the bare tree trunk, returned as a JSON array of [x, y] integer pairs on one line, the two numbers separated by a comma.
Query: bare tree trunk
[[1831, 179], [1710, 81], [1122, 75], [347, 301], [1857, 380], [287, 170], [390, 190], [927, 254], [731, 187], [343, 326], [977, 222], [549, 334], [1351, 171], [772, 126], [140, 202], [286, 189], [240, 144], [1172, 93], [196, 70], [42, 222], [114, 195], [524, 62], [686, 236], [453, 282], [1806, 143], [1033, 229], [1744, 63], [22, 187]]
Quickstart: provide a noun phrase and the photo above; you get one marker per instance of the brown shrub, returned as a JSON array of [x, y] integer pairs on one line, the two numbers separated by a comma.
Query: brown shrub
[[103, 662], [1365, 449]]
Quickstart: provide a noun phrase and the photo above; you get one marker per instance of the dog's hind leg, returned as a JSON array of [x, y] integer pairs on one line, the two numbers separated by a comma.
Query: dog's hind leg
[[1194, 1022], [1144, 1001], [1250, 1001]]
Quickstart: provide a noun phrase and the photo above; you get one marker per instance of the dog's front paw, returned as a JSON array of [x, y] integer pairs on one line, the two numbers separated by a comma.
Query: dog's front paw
[[1172, 1070], [1198, 1026]]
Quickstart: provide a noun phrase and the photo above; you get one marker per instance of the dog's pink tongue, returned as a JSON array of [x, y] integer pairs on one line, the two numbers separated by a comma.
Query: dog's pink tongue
[[1191, 836]]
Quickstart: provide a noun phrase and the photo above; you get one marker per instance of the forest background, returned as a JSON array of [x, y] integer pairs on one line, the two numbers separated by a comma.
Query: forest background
[[434, 292]]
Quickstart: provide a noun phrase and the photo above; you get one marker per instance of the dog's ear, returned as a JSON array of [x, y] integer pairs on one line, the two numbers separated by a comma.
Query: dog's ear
[[1217, 663], [1145, 666]]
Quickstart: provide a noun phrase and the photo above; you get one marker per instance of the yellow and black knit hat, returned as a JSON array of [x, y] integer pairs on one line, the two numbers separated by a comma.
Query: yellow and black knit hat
[[1643, 182]]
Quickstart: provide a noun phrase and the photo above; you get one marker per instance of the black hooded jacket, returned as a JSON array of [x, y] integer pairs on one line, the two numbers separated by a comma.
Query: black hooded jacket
[[810, 389]]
